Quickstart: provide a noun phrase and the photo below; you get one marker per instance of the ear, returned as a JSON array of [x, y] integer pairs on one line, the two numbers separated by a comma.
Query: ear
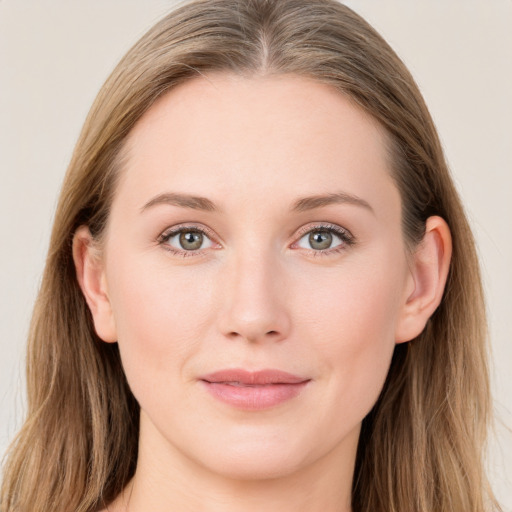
[[91, 278], [427, 279]]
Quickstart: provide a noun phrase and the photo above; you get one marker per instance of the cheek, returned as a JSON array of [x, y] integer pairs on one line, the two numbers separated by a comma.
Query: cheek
[[357, 304], [160, 319], [353, 328]]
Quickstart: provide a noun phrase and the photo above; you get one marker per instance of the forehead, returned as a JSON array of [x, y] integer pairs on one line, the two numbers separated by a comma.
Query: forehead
[[219, 133]]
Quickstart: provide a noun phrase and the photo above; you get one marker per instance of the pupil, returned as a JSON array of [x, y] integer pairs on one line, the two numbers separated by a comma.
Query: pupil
[[191, 240], [320, 240]]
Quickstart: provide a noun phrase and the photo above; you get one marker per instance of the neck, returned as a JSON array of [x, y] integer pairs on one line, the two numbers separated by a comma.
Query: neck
[[166, 480]]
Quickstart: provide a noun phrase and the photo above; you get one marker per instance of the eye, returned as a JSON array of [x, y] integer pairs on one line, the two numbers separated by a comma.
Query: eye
[[325, 238], [186, 239]]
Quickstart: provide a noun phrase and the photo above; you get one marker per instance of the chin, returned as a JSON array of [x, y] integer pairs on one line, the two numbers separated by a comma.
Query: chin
[[259, 455], [254, 467]]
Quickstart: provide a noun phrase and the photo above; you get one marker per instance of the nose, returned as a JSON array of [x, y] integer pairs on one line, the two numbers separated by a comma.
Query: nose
[[254, 301]]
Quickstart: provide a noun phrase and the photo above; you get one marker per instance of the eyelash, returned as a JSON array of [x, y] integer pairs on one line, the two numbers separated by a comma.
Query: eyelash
[[343, 234], [164, 238]]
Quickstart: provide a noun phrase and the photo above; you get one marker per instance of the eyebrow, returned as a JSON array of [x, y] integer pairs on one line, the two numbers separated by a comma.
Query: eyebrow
[[183, 200], [301, 205], [312, 202]]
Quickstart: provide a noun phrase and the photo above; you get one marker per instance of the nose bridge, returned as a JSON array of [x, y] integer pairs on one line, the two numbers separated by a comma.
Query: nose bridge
[[254, 308]]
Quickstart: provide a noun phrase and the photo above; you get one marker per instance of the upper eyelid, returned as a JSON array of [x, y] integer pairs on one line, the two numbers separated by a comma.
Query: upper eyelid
[[173, 230], [323, 225], [299, 232]]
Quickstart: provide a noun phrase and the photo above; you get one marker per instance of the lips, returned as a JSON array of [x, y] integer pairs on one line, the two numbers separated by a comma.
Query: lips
[[247, 378], [253, 390]]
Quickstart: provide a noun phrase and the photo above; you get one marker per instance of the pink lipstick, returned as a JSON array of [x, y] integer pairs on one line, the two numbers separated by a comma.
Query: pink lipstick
[[253, 390]]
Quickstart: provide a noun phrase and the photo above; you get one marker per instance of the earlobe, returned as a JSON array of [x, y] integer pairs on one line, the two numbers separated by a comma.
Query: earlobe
[[91, 278], [430, 264]]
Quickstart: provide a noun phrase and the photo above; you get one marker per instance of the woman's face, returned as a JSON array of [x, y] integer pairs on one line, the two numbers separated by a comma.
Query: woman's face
[[255, 227]]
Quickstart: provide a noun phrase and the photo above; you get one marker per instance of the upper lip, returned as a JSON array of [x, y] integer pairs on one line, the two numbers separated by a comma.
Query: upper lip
[[254, 378]]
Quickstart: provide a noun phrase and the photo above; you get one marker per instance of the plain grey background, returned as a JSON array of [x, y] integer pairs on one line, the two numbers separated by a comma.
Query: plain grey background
[[55, 54]]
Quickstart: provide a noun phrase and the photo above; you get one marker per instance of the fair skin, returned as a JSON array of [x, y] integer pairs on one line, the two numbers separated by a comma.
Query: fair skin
[[323, 290]]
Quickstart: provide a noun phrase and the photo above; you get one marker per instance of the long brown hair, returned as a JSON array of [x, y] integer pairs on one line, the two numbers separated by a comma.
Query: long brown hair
[[421, 446]]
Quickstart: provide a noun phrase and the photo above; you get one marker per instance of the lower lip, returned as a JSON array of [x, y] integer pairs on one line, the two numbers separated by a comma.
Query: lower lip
[[254, 398]]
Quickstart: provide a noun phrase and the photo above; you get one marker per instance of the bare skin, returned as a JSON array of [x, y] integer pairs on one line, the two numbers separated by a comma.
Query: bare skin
[[258, 273]]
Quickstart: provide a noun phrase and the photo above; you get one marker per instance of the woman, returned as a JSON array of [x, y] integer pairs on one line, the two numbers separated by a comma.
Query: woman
[[261, 289]]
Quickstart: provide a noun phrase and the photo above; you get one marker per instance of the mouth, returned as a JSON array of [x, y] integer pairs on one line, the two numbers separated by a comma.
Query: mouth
[[253, 390]]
